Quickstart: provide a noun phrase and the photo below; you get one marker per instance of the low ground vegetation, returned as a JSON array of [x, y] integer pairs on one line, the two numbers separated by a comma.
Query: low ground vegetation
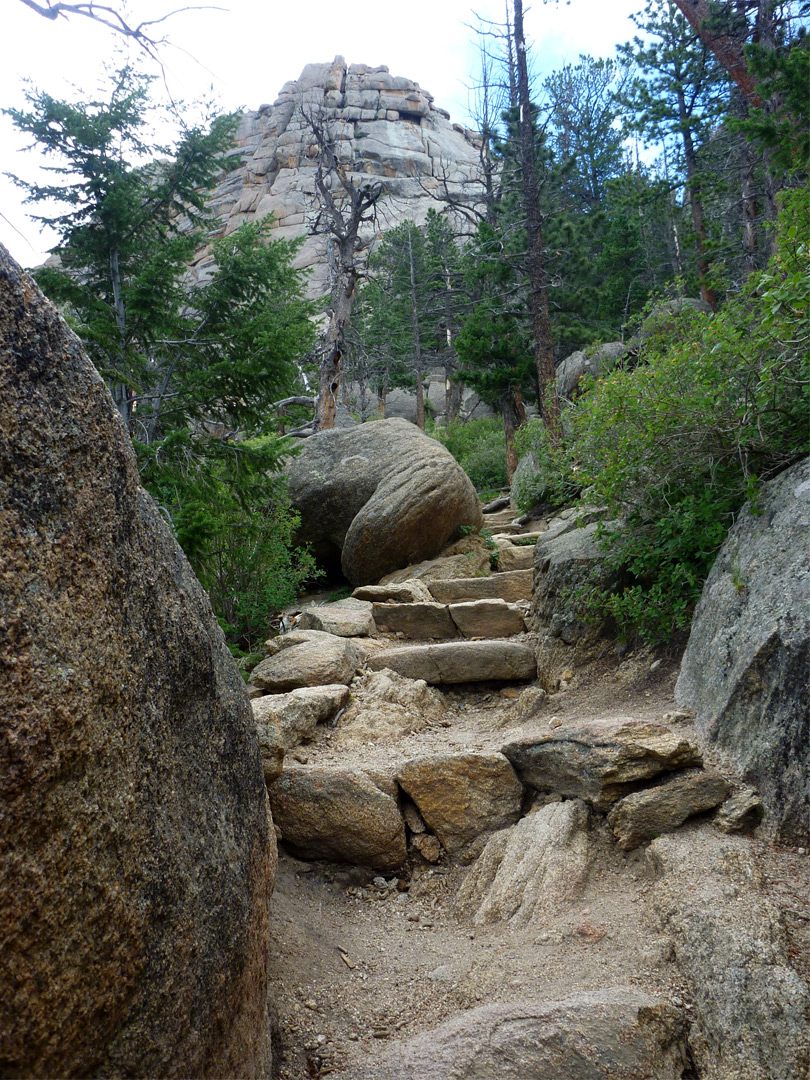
[[479, 448]]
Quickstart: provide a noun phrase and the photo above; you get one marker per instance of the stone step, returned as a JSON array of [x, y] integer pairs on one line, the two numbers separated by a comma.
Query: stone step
[[510, 586], [505, 526], [486, 618], [460, 661], [513, 556]]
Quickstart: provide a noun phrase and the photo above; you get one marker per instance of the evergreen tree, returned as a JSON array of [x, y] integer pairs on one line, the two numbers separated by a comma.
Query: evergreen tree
[[129, 227], [494, 342], [192, 368], [676, 100]]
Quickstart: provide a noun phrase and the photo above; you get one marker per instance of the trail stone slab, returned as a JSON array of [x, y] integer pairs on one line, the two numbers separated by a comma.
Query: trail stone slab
[[459, 662], [665, 806], [381, 496], [344, 618], [426, 620], [316, 659], [614, 1034], [487, 619], [534, 868], [136, 854], [298, 713], [511, 587], [601, 760], [746, 669], [468, 558], [340, 815], [462, 796], [731, 947], [513, 557], [413, 591]]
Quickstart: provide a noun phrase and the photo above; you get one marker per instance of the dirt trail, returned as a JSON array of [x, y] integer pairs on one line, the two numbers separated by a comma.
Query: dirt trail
[[360, 960]]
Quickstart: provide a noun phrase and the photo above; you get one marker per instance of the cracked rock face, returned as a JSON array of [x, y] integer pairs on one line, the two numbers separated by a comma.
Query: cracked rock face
[[386, 128], [745, 669]]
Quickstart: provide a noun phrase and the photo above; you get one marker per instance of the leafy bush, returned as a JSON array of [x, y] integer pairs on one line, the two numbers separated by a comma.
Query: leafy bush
[[677, 445], [480, 449]]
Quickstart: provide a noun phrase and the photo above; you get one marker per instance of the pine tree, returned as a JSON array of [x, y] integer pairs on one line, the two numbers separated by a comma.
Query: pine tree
[[192, 369], [677, 99]]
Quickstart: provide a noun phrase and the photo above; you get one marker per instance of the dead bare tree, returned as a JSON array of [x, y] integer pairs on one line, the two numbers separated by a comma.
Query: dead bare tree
[[114, 18], [343, 207]]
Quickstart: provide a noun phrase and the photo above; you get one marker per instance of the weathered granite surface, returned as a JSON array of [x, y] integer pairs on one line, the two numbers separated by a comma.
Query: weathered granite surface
[[136, 851]]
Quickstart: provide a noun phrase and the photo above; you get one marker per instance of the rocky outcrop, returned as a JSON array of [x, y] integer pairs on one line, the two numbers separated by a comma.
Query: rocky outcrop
[[535, 868], [730, 943], [385, 127], [600, 760], [587, 362], [136, 852], [593, 1035], [746, 669], [341, 815], [380, 496]]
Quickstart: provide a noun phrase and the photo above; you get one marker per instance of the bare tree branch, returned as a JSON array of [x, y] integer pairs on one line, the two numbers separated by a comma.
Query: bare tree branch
[[112, 18]]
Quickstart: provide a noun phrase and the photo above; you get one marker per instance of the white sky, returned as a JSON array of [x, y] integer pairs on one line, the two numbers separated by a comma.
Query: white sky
[[249, 50]]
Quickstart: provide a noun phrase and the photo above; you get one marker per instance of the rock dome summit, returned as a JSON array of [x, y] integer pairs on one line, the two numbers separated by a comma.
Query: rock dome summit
[[385, 127]]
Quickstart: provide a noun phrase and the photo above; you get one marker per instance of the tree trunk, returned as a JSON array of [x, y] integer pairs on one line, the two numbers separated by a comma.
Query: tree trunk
[[417, 340], [119, 390], [696, 202], [726, 48], [331, 367], [513, 413], [452, 396], [420, 401], [536, 253]]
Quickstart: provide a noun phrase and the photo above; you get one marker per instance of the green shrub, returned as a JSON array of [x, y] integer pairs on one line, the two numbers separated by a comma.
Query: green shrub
[[479, 447], [677, 445]]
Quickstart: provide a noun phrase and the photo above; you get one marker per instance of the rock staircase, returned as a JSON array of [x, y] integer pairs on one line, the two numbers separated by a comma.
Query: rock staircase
[[402, 732]]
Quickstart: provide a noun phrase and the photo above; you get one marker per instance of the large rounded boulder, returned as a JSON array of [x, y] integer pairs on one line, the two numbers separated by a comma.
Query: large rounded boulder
[[746, 669], [136, 851], [381, 496]]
